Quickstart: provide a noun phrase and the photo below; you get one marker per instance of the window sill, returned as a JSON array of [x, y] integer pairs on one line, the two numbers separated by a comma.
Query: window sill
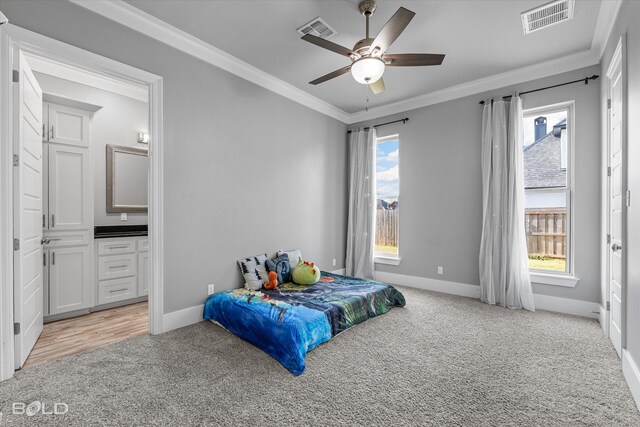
[[386, 260], [563, 280]]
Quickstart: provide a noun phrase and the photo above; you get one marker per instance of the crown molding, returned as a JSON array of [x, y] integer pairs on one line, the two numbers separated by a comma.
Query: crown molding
[[155, 28], [494, 82], [609, 11]]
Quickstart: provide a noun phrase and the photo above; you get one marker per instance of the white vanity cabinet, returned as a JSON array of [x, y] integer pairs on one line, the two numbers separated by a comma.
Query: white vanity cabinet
[[121, 268], [68, 270]]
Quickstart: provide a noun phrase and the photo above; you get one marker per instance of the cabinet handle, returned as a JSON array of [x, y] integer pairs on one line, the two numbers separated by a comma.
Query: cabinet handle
[[44, 259], [43, 220], [53, 220], [117, 247], [117, 290], [43, 133], [53, 258], [117, 266], [52, 137]]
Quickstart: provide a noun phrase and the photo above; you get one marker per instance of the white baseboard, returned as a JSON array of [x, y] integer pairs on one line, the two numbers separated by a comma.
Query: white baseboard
[[453, 288], [542, 302], [567, 306], [632, 375], [340, 271], [602, 318], [182, 318]]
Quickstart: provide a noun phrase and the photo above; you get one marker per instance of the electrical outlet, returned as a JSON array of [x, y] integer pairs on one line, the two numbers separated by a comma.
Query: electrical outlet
[[440, 269], [123, 216], [212, 289], [334, 262]]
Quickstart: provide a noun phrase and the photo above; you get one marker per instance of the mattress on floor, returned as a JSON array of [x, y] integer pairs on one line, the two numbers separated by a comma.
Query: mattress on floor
[[288, 322]]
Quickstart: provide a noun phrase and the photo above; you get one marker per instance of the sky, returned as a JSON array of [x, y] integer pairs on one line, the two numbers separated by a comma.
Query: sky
[[529, 126], [387, 182]]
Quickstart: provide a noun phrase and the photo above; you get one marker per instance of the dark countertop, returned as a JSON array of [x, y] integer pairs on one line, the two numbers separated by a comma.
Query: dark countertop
[[109, 231]]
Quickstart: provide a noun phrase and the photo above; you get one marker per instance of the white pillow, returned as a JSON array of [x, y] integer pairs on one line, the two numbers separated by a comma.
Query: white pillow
[[293, 255], [254, 271]]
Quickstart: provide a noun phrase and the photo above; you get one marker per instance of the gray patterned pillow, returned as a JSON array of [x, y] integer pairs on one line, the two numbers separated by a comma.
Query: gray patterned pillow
[[254, 271]]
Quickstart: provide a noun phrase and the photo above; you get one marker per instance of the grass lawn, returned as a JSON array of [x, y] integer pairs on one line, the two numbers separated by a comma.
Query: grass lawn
[[555, 264], [381, 249]]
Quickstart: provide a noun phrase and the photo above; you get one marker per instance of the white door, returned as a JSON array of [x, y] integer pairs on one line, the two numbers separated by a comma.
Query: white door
[[69, 279], [27, 199], [70, 188], [616, 202], [68, 125]]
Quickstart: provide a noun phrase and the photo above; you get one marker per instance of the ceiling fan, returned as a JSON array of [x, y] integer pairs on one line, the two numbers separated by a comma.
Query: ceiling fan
[[369, 56]]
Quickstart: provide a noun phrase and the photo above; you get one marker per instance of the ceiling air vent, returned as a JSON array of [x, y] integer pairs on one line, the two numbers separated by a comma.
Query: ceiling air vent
[[317, 27], [547, 15]]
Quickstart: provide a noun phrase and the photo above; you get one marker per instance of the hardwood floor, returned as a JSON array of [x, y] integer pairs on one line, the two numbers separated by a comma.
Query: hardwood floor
[[71, 336]]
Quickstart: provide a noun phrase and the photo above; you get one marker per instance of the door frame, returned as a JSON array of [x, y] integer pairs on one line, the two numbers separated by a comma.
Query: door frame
[[619, 55], [11, 38]]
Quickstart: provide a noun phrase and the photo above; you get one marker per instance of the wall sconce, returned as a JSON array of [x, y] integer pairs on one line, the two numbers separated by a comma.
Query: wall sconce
[[143, 138]]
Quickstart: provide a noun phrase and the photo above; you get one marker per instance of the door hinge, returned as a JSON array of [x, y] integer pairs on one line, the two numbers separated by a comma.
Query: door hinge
[[609, 103], [608, 170], [627, 198], [16, 76], [16, 244], [16, 160], [16, 329], [608, 306], [608, 238]]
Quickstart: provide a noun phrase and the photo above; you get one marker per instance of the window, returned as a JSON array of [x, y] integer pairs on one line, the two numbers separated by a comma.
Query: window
[[387, 199], [548, 134]]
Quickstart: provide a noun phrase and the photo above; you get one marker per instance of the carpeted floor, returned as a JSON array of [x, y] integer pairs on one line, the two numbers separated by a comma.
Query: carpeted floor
[[442, 360]]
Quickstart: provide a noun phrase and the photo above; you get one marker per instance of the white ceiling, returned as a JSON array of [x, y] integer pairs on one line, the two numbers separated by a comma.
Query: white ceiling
[[479, 37]]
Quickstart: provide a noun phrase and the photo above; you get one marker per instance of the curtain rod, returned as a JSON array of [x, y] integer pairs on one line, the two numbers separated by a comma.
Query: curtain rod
[[406, 119], [585, 80]]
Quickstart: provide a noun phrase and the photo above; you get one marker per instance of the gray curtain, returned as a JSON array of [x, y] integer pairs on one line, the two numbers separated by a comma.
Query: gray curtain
[[362, 202], [504, 271]]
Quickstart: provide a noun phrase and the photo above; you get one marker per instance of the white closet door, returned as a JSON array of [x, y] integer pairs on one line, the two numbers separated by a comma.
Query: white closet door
[[70, 188], [27, 259], [68, 126], [69, 279]]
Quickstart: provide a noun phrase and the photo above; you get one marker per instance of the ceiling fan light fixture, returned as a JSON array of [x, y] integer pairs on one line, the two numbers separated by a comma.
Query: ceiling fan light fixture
[[367, 70]]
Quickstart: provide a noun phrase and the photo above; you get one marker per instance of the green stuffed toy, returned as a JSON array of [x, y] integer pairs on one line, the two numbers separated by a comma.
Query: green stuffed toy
[[305, 273]]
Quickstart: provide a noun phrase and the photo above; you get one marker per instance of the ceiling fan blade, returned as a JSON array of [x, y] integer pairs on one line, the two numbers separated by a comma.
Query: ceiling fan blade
[[377, 87], [412, 59], [391, 30], [331, 75], [330, 46]]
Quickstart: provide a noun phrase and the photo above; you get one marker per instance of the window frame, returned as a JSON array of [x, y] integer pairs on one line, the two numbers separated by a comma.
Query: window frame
[[548, 277], [385, 258]]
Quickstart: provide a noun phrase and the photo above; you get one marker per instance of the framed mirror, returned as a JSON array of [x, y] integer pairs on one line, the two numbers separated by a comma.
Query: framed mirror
[[127, 179]]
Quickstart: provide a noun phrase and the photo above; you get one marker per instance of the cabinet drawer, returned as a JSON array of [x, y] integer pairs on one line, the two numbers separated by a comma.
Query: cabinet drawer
[[115, 266], [59, 239], [116, 290], [143, 244], [113, 246]]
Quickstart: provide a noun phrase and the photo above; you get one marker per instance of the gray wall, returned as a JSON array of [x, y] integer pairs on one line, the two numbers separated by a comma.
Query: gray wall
[[441, 185], [117, 122], [246, 170], [627, 23]]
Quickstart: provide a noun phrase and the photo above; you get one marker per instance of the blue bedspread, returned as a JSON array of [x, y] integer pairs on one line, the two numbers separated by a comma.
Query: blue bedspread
[[288, 322]]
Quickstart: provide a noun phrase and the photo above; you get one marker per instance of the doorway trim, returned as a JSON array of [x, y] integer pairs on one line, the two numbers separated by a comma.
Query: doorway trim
[[11, 38]]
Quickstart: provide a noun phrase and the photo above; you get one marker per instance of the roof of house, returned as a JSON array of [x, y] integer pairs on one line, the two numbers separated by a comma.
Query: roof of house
[[542, 168]]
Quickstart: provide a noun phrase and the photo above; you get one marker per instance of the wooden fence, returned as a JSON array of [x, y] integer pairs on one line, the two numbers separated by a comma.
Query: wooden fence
[[387, 227], [546, 232]]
